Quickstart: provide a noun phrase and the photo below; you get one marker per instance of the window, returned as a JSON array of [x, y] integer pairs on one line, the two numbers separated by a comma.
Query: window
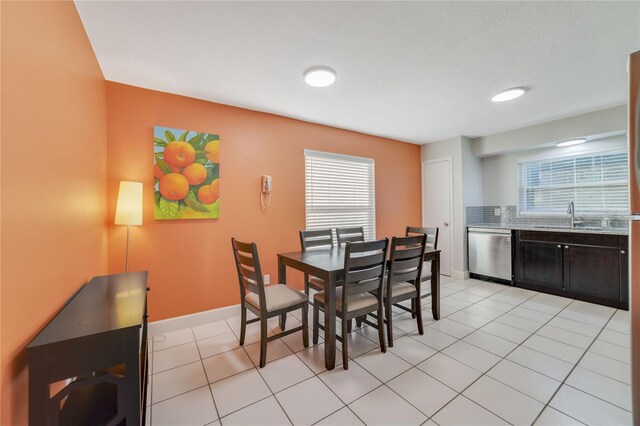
[[595, 182], [340, 192]]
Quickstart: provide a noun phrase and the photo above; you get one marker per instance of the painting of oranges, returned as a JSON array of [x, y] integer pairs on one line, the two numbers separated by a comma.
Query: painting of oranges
[[186, 169]]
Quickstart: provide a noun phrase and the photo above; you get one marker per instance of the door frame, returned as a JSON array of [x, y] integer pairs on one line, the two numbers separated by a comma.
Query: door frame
[[448, 160]]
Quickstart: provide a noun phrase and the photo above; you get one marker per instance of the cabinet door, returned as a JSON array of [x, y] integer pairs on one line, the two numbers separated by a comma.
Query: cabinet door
[[592, 271], [539, 264]]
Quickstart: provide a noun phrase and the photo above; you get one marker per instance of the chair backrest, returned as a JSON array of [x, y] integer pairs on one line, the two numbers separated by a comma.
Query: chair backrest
[[322, 238], [431, 231], [364, 268], [249, 271], [350, 235], [406, 262]]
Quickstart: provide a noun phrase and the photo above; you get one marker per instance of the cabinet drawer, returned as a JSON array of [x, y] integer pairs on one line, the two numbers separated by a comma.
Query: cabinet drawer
[[600, 240]]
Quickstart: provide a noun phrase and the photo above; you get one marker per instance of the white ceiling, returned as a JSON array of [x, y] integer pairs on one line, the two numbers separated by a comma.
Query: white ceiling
[[414, 71]]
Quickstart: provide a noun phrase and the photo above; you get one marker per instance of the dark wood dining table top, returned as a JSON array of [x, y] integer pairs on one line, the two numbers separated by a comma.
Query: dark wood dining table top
[[331, 259]]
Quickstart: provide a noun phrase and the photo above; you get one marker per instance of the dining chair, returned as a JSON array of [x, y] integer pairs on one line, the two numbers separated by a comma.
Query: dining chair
[[403, 283], [432, 242], [265, 301], [431, 231], [311, 240], [361, 292], [349, 235]]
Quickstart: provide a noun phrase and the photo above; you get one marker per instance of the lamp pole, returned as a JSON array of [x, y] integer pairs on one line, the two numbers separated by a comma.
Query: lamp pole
[[126, 258]]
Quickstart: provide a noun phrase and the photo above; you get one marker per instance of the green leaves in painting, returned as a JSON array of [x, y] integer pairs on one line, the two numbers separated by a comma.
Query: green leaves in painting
[[163, 166], [159, 142], [169, 136], [168, 208], [193, 202], [197, 141], [183, 136]]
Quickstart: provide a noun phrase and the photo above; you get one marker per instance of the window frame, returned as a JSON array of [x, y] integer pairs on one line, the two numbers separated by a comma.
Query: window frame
[[370, 210], [573, 154]]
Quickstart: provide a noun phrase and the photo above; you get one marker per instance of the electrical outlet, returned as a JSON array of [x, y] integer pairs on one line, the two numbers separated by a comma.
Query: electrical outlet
[[497, 212], [267, 279]]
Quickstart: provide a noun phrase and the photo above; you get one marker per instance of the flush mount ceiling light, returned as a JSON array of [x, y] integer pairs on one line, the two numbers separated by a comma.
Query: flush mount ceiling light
[[572, 142], [319, 76], [509, 94]]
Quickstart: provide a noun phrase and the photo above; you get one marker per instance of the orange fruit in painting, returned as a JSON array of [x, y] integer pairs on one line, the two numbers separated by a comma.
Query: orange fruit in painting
[[195, 173], [174, 186], [179, 154], [205, 196], [212, 150], [159, 174], [215, 188]]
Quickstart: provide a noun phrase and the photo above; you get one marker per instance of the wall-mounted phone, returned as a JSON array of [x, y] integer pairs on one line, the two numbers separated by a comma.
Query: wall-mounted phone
[[266, 186]]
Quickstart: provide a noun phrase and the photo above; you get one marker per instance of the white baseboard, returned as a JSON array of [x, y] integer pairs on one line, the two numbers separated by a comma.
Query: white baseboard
[[461, 275], [192, 320]]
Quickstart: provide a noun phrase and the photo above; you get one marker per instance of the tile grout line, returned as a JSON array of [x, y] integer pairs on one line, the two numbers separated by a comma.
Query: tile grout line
[[483, 374], [572, 370], [206, 376], [401, 333]]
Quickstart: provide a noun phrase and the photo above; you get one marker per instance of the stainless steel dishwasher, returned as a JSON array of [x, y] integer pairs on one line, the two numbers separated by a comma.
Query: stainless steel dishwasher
[[490, 252]]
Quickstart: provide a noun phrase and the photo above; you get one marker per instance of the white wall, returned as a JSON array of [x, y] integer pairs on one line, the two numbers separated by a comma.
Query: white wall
[[500, 172], [467, 191], [485, 169], [598, 124]]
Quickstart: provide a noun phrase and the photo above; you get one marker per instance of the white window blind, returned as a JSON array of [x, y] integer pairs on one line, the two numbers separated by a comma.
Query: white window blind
[[595, 182], [340, 192]]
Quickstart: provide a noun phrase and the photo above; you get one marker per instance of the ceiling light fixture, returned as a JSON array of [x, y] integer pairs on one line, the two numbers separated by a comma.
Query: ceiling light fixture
[[572, 142], [320, 76], [509, 94]]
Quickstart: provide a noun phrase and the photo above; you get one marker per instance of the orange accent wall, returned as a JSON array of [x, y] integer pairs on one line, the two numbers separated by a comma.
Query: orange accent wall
[[190, 262], [53, 180]]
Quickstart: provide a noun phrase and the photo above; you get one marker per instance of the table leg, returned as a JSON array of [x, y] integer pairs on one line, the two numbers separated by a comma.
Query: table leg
[[282, 279], [38, 388], [330, 323], [282, 271], [435, 287]]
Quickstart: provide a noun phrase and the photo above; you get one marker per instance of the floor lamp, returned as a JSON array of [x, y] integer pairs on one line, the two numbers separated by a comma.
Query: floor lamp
[[129, 209]]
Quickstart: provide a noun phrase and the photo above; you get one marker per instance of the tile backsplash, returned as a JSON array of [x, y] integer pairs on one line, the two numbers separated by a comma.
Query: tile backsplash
[[508, 215]]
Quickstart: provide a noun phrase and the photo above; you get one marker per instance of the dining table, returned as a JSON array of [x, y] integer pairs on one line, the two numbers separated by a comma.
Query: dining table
[[328, 265]]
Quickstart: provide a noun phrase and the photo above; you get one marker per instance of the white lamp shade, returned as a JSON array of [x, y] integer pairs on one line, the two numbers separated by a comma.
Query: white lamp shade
[[129, 207]]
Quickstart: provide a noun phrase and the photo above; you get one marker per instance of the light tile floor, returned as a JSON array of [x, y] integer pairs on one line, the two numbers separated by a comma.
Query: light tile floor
[[499, 355]]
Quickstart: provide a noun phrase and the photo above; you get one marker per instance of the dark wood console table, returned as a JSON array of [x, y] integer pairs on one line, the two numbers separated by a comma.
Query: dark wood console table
[[89, 364]]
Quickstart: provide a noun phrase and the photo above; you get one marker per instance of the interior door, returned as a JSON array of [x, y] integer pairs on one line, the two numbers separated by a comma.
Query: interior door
[[437, 191]]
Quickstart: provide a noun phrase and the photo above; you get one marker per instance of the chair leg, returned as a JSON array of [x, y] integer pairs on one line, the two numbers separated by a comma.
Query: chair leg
[[283, 322], [316, 322], [263, 342], [349, 326], [305, 325], [389, 316], [345, 346], [383, 347], [413, 308], [243, 323], [419, 315], [306, 284], [359, 321]]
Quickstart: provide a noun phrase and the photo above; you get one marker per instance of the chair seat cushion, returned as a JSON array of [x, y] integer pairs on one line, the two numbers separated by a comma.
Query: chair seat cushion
[[401, 288], [354, 302], [316, 282], [278, 296]]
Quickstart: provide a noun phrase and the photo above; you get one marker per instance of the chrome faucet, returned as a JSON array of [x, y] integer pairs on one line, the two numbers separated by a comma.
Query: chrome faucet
[[571, 209]]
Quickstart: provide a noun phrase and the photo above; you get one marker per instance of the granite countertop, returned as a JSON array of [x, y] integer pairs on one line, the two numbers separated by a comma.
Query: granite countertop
[[553, 228]]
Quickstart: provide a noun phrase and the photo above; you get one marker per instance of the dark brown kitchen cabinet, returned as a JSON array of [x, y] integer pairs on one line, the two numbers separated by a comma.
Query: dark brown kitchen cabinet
[[590, 267], [541, 264]]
